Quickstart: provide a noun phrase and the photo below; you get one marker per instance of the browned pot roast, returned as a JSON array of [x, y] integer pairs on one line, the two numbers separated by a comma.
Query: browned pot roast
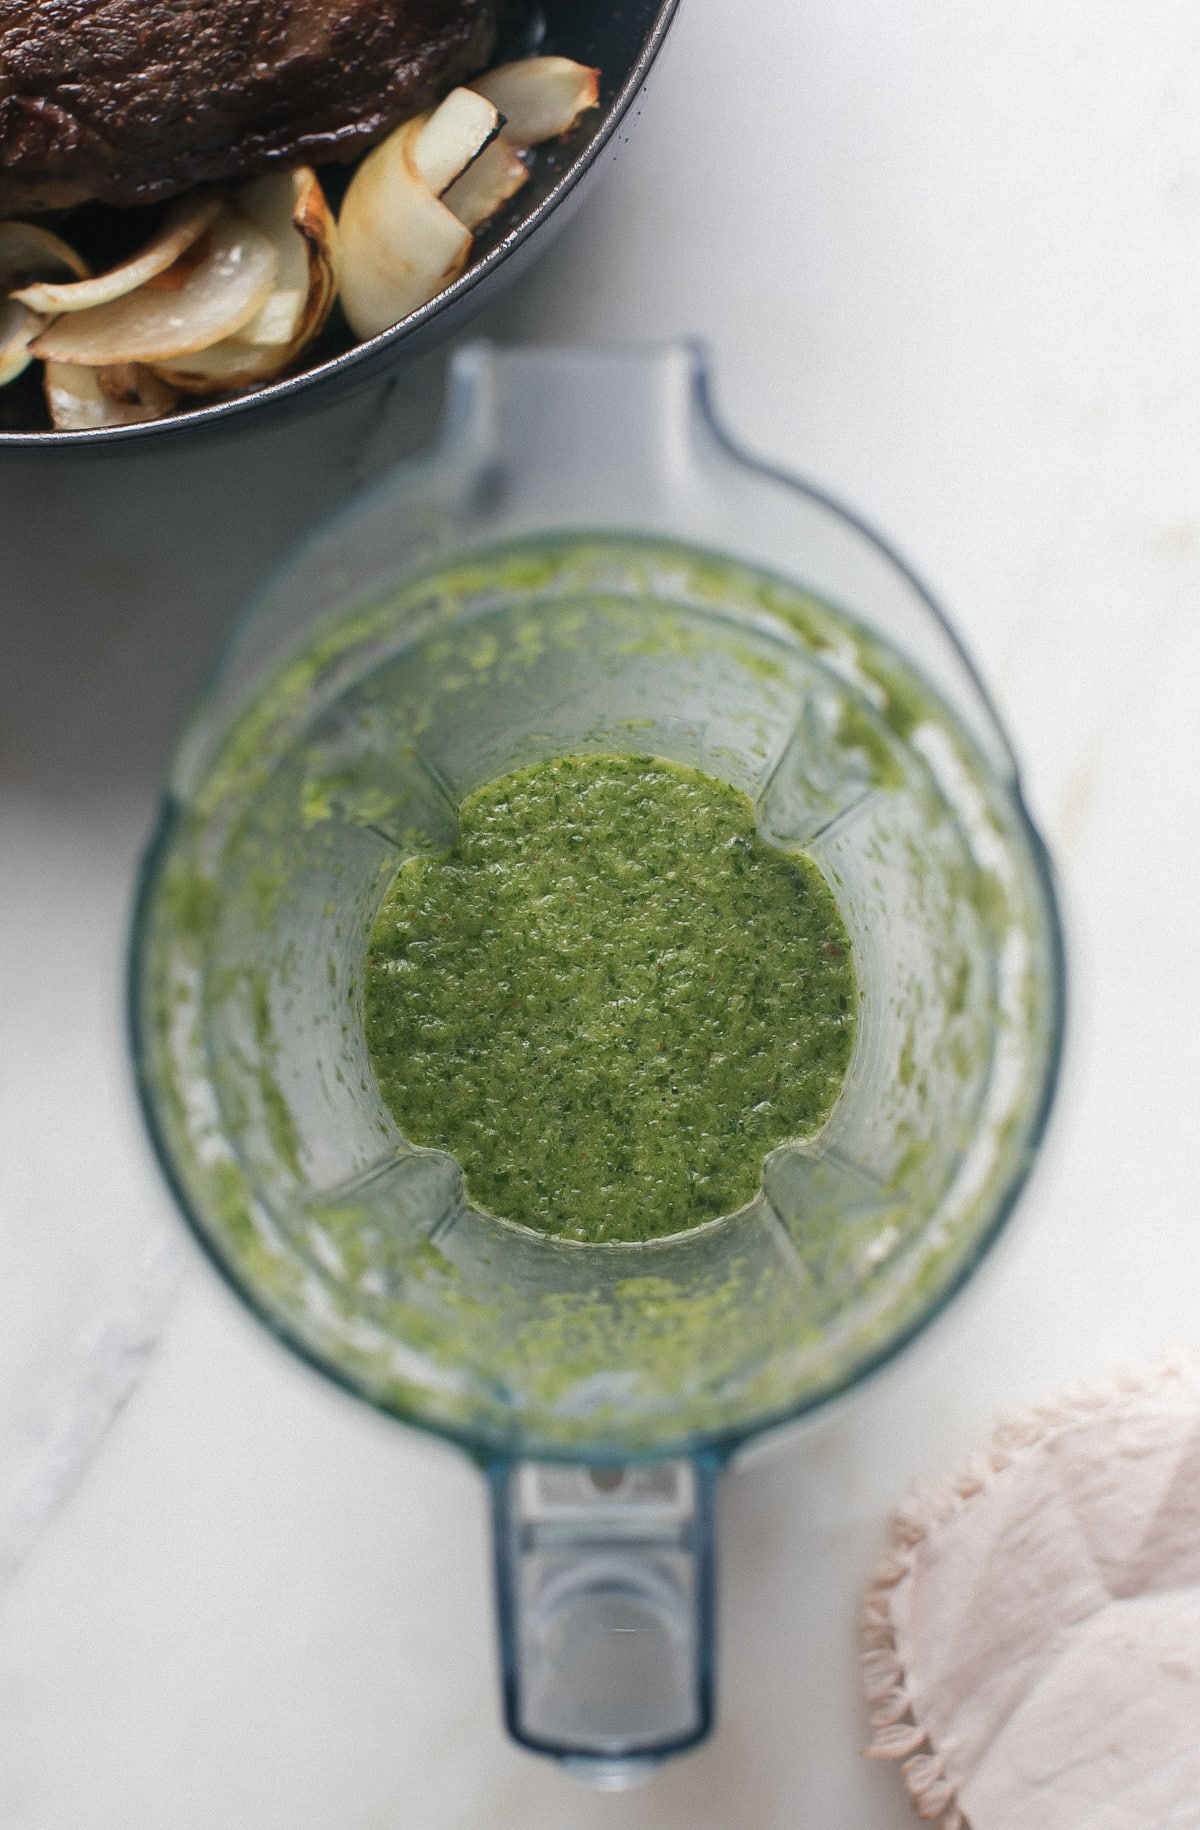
[[133, 100]]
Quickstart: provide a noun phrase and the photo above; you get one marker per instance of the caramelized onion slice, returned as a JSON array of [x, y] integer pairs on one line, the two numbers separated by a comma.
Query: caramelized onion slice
[[210, 292], [487, 184], [453, 136], [183, 226], [29, 252], [224, 367], [18, 328], [290, 209], [539, 97], [82, 399], [399, 243]]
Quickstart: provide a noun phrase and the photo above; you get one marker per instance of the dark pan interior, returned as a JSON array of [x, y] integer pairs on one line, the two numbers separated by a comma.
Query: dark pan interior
[[621, 39]]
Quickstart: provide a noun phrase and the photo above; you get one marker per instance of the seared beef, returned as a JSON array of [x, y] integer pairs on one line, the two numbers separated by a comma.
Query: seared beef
[[133, 100]]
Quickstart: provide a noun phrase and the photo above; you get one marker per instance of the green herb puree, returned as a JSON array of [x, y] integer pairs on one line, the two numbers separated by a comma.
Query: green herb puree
[[610, 999]]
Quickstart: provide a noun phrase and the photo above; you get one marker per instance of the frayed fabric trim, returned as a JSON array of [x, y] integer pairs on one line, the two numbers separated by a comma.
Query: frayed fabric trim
[[896, 1731]]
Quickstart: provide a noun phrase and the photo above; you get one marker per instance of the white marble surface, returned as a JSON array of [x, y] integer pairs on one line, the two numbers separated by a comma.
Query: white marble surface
[[948, 261]]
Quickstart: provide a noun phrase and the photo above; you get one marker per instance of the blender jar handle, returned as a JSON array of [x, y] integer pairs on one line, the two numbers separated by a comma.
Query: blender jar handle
[[604, 1586]]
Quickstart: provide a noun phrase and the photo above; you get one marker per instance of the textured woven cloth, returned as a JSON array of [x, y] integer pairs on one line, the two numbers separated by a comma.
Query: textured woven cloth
[[1032, 1640]]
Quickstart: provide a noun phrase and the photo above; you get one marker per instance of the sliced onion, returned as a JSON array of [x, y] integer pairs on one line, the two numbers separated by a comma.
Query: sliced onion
[[211, 291], [453, 136], [276, 324], [399, 243], [82, 399], [28, 251], [223, 367], [18, 328], [487, 184], [183, 226], [540, 97], [290, 208]]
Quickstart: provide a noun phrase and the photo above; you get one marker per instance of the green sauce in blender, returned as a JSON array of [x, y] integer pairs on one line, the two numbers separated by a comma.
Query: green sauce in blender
[[610, 999]]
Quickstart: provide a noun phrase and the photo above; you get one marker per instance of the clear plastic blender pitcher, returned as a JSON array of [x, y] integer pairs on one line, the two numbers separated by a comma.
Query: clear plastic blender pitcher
[[584, 564]]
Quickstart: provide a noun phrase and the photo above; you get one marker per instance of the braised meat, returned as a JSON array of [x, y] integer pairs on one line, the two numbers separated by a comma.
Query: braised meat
[[133, 100]]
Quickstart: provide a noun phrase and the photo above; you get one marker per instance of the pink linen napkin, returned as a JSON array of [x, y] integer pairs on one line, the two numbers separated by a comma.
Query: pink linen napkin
[[1032, 1640]]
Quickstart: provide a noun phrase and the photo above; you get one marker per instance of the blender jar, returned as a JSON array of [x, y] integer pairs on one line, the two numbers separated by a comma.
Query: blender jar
[[585, 564]]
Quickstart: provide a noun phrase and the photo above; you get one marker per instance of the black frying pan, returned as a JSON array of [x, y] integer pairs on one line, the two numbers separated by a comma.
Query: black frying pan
[[621, 37]]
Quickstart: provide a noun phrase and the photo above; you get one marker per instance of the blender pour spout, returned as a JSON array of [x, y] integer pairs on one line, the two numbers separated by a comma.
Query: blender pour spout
[[532, 434]]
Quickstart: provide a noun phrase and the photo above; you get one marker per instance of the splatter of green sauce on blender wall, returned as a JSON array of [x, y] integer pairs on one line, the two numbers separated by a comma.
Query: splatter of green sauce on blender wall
[[610, 1000]]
